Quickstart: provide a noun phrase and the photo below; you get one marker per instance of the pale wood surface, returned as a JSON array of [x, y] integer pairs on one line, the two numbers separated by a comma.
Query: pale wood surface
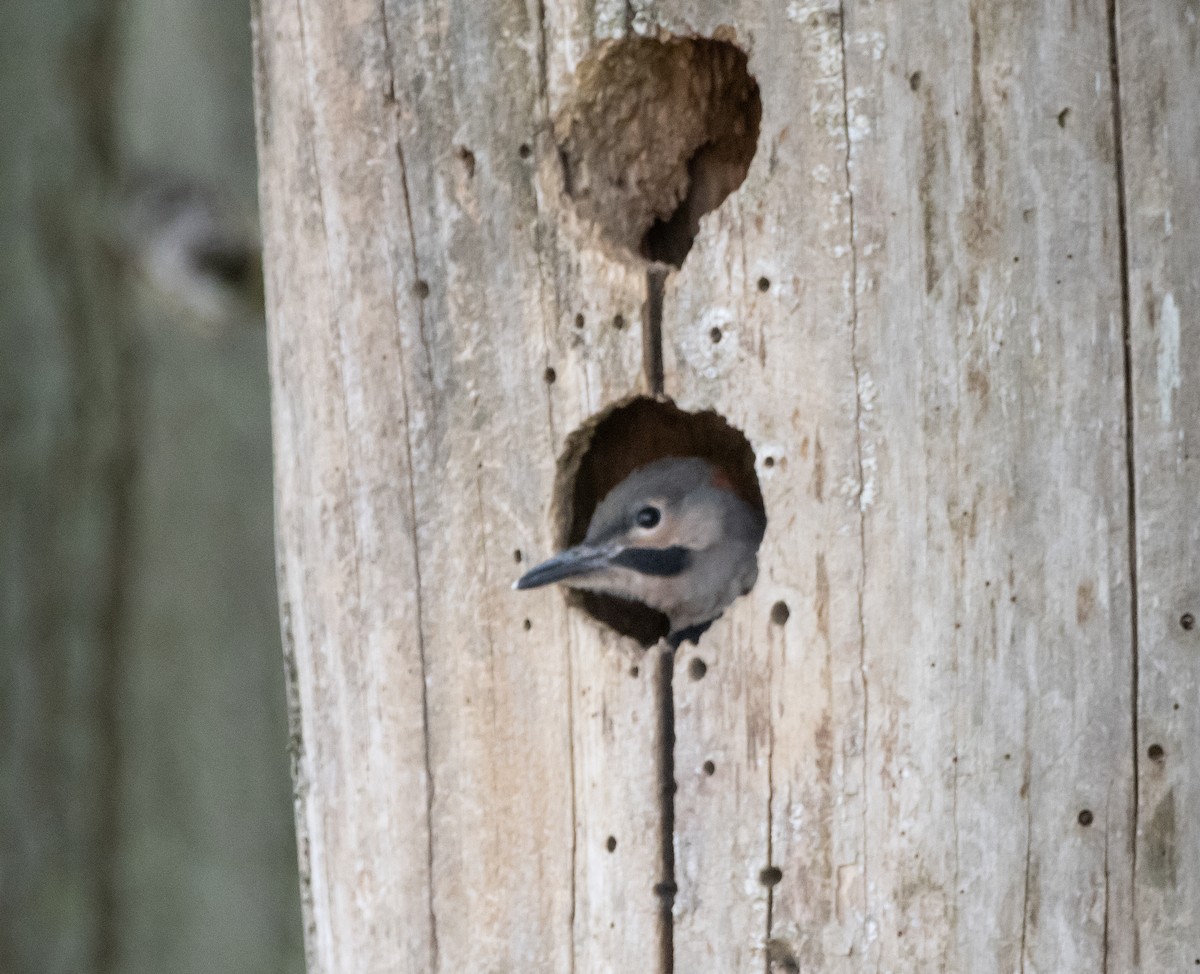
[[932, 372], [952, 688], [458, 774], [1160, 90]]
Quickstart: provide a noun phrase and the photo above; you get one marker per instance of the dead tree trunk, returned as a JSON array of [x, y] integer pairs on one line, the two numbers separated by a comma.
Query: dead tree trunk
[[951, 306]]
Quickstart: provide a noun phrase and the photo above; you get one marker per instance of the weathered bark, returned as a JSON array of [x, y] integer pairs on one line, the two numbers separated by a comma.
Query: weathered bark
[[1160, 79], [921, 742]]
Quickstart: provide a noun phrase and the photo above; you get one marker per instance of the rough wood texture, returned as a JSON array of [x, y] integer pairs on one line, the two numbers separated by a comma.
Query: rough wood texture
[[952, 688], [913, 746], [458, 770], [1160, 81]]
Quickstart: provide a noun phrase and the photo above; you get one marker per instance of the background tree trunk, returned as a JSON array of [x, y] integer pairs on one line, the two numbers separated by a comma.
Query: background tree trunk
[[205, 879], [952, 307], [145, 819], [61, 471]]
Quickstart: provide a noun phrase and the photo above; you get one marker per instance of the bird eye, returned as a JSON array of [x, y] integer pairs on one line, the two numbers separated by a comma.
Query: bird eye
[[648, 517]]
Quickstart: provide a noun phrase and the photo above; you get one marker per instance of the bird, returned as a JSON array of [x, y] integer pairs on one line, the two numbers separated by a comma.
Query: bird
[[673, 535]]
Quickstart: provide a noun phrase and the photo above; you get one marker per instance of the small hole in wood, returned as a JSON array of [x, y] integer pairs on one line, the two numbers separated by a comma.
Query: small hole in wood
[[524, 151], [764, 284], [550, 376], [709, 768], [467, 158], [579, 321], [1086, 818], [618, 322], [914, 80], [715, 335], [517, 556], [1187, 621], [770, 876], [1155, 752], [634, 671], [697, 668], [1062, 118], [780, 613], [656, 134], [527, 625], [768, 462], [421, 289], [611, 843]]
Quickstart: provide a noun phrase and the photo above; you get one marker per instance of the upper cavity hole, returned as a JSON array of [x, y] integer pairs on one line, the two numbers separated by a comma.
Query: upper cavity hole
[[658, 133]]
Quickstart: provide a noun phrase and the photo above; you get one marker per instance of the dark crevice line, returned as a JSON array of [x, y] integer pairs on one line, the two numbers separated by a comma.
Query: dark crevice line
[[652, 365], [770, 807], [1130, 454], [1107, 887], [666, 888], [652, 341], [416, 546], [1028, 860], [543, 64], [389, 74], [418, 280]]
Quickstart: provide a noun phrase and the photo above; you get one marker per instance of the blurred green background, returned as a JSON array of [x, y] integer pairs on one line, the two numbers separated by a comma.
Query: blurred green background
[[145, 804]]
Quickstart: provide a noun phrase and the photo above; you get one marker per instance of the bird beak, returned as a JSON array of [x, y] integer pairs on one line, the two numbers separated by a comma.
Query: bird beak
[[580, 560]]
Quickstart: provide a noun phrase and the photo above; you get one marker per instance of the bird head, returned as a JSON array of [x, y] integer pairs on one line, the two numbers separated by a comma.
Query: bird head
[[673, 535]]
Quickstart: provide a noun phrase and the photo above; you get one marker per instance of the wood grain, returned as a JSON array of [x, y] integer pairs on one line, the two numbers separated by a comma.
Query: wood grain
[[463, 753], [1160, 79], [913, 307]]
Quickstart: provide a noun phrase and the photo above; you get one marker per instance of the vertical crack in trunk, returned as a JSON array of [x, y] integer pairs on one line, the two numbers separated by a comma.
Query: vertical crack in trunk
[[665, 888], [1130, 457], [768, 939], [422, 649], [1028, 860], [652, 343], [652, 365]]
